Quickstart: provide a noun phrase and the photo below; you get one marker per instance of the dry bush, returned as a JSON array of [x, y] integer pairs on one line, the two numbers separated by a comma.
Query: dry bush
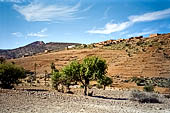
[[167, 96], [144, 97]]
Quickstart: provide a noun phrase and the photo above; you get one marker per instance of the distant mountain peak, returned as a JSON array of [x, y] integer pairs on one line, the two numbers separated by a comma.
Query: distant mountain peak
[[37, 43], [34, 48]]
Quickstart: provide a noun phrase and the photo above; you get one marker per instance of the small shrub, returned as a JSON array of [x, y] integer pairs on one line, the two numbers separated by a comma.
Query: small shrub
[[148, 88], [2, 60], [144, 97], [99, 86], [126, 81], [138, 81], [105, 81], [134, 79], [167, 96]]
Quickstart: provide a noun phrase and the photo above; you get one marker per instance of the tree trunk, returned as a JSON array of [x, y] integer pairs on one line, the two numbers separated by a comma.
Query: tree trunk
[[45, 80], [35, 71], [85, 86], [85, 90], [45, 77], [104, 87]]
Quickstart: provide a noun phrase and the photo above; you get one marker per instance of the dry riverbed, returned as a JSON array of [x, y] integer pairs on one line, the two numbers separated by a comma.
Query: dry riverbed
[[108, 101]]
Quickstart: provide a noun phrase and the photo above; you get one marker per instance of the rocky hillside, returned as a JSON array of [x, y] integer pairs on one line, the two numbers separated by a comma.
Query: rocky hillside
[[148, 56], [126, 58], [34, 48]]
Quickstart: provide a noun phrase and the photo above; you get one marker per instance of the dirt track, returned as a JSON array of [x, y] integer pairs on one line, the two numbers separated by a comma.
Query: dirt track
[[16, 101]]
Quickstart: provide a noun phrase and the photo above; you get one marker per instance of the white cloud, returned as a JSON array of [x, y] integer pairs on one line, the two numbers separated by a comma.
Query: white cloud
[[105, 16], [42, 12], [14, 1], [38, 34], [18, 34], [86, 9], [110, 27], [151, 16], [43, 30]]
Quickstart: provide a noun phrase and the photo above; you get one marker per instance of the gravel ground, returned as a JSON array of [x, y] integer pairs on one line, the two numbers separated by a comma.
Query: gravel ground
[[21, 101]]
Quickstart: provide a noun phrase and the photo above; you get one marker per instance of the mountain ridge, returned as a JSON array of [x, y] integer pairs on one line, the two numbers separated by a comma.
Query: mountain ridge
[[33, 48]]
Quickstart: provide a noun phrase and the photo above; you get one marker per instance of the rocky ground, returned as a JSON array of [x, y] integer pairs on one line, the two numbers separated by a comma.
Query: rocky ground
[[108, 101]]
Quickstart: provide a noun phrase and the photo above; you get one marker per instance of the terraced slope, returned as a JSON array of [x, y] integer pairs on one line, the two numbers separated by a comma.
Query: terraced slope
[[151, 59]]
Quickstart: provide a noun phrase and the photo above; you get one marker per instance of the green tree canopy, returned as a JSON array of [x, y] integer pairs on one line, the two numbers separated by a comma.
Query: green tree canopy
[[91, 68], [71, 73], [56, 79], [105, 81], [10, 74]]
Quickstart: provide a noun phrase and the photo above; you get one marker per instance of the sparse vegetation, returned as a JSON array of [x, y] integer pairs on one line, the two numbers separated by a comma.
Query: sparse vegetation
[[154, 81], [148, 88], [56, 80], [10, 75], [144, 97], [138, 81], [2, 60], [167, 96], [99, 86]]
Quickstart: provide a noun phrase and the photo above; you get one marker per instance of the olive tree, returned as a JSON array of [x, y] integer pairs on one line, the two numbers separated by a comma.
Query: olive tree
[[92, 68], [59, 78], [105, 81], [10, 75], [56, 79], [71, 73]]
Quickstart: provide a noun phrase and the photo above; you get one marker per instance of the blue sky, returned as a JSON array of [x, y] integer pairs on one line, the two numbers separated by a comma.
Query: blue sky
[[81, 21]]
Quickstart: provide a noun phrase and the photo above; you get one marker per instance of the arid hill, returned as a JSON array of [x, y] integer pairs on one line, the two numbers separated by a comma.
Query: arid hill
[[134, 57], [34, 48]]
